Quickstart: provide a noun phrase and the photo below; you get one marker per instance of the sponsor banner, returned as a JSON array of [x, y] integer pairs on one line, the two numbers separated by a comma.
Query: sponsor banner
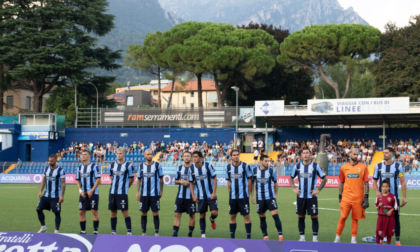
[[21, 178], [34, 135], [269, 108], [177, 116], [180, 244], [362, 106], [412, 182], [19, 241], [14, 241], [332, 181], [296, 246]]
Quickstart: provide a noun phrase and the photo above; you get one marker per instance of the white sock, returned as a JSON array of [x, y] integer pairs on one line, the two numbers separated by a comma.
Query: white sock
[[302, 236], [353, 239], [315, 237], [43, 226], [337, 237]]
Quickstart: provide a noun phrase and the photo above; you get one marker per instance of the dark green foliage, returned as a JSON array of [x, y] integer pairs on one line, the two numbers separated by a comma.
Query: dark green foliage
[[397, 70]]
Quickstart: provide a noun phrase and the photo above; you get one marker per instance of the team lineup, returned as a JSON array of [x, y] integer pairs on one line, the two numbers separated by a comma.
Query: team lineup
[[197, 187]]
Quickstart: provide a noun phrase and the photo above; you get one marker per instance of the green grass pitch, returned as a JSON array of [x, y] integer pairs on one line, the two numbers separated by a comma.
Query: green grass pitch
[[18, 203]]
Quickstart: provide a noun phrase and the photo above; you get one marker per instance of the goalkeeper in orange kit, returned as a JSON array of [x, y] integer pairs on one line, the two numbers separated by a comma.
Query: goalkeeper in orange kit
[[353, 194]]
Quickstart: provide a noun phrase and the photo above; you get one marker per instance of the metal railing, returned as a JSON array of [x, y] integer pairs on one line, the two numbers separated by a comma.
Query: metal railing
[[87, 117]]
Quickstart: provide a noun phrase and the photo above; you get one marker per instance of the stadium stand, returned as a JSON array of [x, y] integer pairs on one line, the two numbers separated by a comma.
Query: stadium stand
[[283, 159]]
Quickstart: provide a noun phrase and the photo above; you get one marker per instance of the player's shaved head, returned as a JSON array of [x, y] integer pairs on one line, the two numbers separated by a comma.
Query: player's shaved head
[[148, 151]]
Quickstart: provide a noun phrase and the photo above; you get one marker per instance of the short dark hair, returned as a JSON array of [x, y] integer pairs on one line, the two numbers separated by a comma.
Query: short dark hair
[[386, 181], [53, 156], [198, 153], [235, 150], [390, 149], [262, 156], [306, 149]]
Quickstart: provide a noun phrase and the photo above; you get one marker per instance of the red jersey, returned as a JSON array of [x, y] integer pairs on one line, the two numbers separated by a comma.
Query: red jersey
[[388, 202]]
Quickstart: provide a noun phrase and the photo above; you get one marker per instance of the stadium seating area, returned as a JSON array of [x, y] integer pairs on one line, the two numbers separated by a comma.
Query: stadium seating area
[[408, 152]]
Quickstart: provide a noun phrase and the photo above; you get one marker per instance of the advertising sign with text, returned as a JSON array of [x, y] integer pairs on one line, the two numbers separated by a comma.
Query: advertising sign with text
[[362, 106]]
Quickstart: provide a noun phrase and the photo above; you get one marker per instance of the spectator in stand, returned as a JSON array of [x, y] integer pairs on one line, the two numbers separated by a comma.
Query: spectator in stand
[[256, 154], [215, 157]]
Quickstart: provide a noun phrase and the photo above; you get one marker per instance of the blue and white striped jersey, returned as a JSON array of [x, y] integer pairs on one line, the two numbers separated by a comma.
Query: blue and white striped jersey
[[307, 175], [238, 177], [87, 175], [391, 172], [53, 181], [203, 178], [150, 176], [121, 174], [183, 173], [264, 180]]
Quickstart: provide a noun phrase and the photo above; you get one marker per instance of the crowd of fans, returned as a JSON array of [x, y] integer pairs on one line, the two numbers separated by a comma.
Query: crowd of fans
[[408, 151]]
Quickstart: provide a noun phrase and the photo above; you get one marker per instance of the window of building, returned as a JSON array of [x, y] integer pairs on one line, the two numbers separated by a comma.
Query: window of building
[[192, 94], [130, 100], [184, 100], [28, 103], [9, 102], [192, 105]]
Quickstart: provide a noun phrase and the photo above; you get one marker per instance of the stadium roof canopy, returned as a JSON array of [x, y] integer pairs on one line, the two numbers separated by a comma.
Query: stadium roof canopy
[[298, 116]]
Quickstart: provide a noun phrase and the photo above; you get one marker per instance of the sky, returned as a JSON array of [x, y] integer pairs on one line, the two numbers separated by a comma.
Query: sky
[[379, 12]]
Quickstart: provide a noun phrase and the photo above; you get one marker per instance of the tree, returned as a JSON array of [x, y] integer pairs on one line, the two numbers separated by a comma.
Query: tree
[[319, 45], [65, 105], [362, 81], [397, 68], [53, 39], [280, 83], [149, 58]]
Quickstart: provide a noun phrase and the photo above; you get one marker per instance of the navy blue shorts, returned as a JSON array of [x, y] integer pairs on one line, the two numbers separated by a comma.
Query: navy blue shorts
[[185, 206], [87, 203], [309, 206], [149, 202], [47, 203], [205, 204], [118, 202], [264, 205], [239, 206]]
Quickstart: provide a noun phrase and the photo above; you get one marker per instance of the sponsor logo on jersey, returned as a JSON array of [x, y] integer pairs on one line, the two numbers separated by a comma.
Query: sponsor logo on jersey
[[387, 175], [149, 174], [353, 175], [236, 176], [201, 177], [50, 178], [262, 180], [305, 175]]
